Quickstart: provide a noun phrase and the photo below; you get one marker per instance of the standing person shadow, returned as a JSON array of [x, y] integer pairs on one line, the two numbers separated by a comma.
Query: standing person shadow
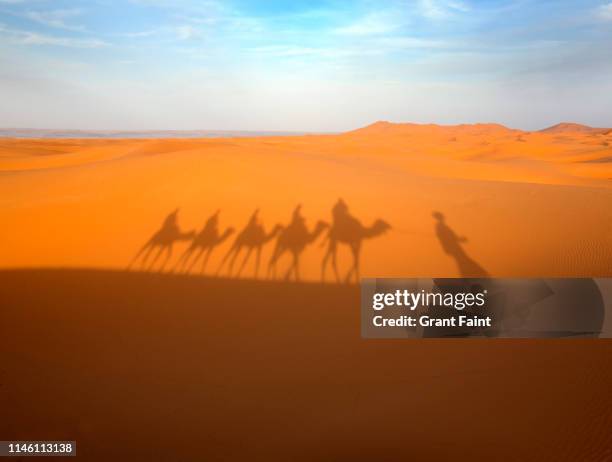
[[452, 246], [163, 240], [252, 237]]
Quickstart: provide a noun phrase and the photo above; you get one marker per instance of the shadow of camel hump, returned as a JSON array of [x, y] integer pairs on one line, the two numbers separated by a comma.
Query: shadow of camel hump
[[163, 239], [346, 229], [452, 246], [205, 241], [252, 237], [294, 239]]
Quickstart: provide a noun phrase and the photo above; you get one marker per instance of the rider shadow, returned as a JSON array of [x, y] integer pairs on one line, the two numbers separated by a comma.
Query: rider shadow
[[253, 237], [452, 244], [163, 240]]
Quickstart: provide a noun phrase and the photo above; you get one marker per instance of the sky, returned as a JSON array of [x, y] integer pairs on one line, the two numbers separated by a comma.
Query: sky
[[305, 65]]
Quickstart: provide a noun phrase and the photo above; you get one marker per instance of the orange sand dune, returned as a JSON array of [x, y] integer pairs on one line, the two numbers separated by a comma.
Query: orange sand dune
[[530, 204], [566, 127]]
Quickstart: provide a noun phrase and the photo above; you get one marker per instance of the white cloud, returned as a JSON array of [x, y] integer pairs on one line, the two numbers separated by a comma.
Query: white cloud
[[375, 46], [404, 43], [139, 34], [605, 12], [283, 51], [183, 32], [56, 18], [373, 24], [442, 9], [33, 38]]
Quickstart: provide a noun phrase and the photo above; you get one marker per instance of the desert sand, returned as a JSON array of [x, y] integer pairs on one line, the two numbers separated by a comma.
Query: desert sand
[[152, 367], [529, 203], [137, 365]]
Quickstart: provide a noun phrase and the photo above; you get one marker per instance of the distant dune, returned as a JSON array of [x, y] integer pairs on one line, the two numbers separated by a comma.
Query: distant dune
[[145, 367], [529, 203], [574, 128], [389, 128]]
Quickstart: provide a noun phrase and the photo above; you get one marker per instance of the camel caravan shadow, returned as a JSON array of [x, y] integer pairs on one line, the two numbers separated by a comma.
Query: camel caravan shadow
[[291, 240]]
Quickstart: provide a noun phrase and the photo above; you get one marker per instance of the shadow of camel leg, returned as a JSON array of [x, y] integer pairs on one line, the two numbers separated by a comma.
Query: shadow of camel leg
[[357, 275], [227, 255], [355, 268], [357, 264], [323, 265], [138, 254], [183, 260], [273, 262], [194, 260], [271, 268], [324, 262], [257, 261], [347, 278], [335, 264], [160, 251], [288, 273], [145, 257], [292, 269], [296, 271], [233, 260], [205, 261], [167, 259], [244, 262]]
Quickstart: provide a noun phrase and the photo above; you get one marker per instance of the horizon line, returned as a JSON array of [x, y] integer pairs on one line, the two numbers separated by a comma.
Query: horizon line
[[225, 131]]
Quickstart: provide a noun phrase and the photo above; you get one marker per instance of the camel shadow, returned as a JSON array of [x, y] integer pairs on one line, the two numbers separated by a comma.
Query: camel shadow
[[163, 240], [348, 230], [206, 240], [253, 237], [293, 240]]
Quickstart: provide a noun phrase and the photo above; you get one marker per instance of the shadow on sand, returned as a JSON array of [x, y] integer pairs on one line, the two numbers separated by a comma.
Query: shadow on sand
[[452, 244], [291, 239]]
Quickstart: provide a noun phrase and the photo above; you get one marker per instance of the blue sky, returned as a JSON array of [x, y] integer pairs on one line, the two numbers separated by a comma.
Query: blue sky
[[303, 65]]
